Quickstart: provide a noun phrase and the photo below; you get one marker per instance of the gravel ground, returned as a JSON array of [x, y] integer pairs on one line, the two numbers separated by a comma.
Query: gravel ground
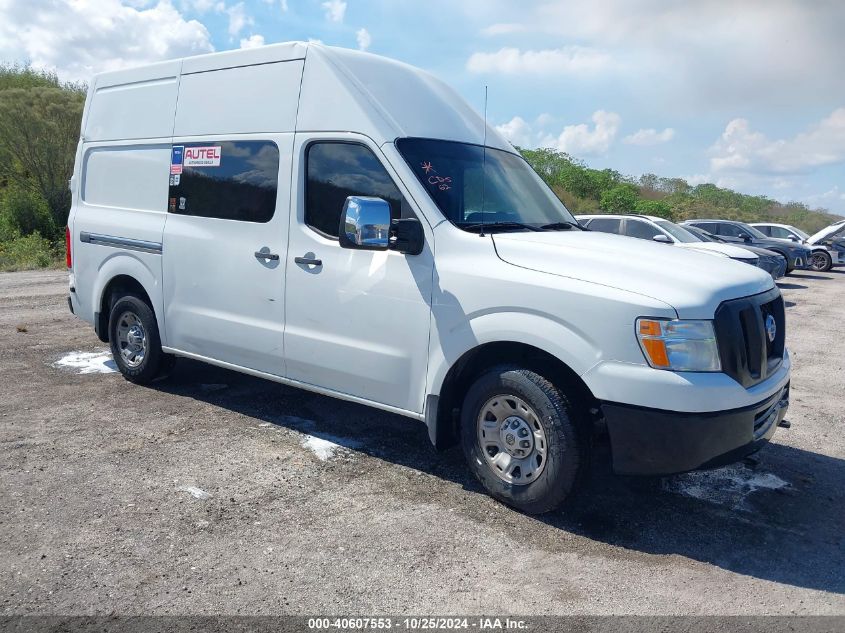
[[218, 493]]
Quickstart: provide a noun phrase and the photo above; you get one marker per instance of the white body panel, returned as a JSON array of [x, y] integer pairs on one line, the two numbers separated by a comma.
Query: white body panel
[[358, 323], [381, 328], [220, 300]]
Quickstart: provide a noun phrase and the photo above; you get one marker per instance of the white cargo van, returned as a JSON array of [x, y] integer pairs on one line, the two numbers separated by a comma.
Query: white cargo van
[[331, 220]]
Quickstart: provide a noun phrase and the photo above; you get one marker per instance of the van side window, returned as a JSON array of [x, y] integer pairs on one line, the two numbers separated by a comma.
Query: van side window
[[230, 180], [336, 170]]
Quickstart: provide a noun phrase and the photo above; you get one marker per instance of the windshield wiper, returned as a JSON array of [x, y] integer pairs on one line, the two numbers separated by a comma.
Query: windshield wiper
[[562, 226], [499, 225]]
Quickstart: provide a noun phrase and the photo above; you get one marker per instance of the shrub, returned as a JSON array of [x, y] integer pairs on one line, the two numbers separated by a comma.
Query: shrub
[[619, 199], [655, 207], [24, 212], [26, 253]]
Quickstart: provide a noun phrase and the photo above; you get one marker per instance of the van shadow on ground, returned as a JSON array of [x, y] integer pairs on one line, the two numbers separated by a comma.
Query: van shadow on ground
[[792, 535]]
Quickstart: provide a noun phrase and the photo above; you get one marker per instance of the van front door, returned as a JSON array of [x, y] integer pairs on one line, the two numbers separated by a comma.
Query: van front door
[[225, 244], [357, 322]]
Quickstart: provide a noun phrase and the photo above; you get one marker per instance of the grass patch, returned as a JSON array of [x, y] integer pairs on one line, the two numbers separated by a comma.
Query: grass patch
[[30, 252]]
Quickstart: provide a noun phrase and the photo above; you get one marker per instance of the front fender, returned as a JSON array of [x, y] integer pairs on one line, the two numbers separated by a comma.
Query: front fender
[[572, 347]]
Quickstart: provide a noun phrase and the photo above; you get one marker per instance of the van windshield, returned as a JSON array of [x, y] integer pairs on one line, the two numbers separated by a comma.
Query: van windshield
[[463, 182]]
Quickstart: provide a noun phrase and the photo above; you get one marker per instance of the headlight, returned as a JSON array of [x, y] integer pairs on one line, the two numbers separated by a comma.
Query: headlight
[[679, 345]]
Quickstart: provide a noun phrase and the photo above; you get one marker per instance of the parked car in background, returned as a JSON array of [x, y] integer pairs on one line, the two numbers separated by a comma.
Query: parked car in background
[[833, 237], [770, 261], [824, 256], [797, 255], [647, 227]]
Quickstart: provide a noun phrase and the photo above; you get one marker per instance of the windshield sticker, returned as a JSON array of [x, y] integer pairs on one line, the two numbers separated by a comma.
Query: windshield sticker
[[176, 157], [208, 156], [442, 183]]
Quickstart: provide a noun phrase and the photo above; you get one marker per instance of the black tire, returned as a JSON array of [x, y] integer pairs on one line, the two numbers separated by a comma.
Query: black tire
[[566, 451], [154, 362], [821, 261]]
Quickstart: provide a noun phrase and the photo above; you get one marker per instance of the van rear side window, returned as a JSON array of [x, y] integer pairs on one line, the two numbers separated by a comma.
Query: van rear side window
[[229, 180]]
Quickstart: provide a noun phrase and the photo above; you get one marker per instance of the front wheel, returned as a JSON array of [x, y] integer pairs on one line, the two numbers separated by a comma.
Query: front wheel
[[821, 261], [520, 437]]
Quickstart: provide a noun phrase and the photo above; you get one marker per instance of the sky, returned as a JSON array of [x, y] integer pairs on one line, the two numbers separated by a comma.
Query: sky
[[745, 94]]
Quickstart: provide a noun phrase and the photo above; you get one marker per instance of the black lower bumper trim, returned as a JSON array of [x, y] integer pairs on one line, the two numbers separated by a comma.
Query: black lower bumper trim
[[70, 304], [657, 442]]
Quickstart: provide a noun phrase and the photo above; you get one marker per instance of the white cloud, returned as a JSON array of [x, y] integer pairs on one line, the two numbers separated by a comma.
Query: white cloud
[[503, 29], [649, 136], [741, 148], [253, 41], [238, 19], [697, 55], [517, 131], [578, 140], [582, 140], [283, 4], [364, 39], [335, 10], [83, 37], [569, 59], [698, 179], [200, 6]]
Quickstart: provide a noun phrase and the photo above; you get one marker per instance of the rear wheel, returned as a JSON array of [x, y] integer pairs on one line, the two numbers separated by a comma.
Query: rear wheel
[[821, 261], [135, 342], [520, 439]]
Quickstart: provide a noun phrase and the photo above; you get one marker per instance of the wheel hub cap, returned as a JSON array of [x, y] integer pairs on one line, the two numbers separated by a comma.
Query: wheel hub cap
[[512, 439], [131, 339], [516, 437]]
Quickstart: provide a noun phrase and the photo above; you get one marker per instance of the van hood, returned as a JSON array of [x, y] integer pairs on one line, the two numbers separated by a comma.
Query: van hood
[[691, 282]]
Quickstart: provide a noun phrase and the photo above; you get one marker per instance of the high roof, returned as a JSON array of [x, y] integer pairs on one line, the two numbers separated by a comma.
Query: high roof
[[340, 90]]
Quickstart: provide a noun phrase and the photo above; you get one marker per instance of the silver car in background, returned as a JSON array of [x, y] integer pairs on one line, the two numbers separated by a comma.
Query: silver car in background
[[660, 230]]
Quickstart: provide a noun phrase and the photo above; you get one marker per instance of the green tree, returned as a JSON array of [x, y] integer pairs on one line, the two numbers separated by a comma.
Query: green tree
[[660, 208], [39, 130], [620, 199]]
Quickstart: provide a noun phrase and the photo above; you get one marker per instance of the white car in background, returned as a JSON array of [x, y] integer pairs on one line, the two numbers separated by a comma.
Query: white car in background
[[826, 253], [648, 227]]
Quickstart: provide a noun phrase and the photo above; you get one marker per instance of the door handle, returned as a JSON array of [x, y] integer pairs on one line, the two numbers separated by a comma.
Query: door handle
[[271, 256], [308, 261]]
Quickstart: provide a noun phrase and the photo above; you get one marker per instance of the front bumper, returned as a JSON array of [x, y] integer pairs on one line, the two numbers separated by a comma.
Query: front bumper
[[657, 442]]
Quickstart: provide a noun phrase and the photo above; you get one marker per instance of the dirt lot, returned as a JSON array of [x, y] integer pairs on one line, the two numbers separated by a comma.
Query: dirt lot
[[218, 493]]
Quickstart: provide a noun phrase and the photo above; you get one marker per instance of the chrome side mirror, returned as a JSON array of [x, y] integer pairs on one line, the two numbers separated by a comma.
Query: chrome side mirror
[[663, 239], [365, 224]]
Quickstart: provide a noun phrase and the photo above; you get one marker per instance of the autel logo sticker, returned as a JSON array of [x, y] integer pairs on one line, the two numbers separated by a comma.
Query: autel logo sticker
[[176, 159], [202, 156]]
